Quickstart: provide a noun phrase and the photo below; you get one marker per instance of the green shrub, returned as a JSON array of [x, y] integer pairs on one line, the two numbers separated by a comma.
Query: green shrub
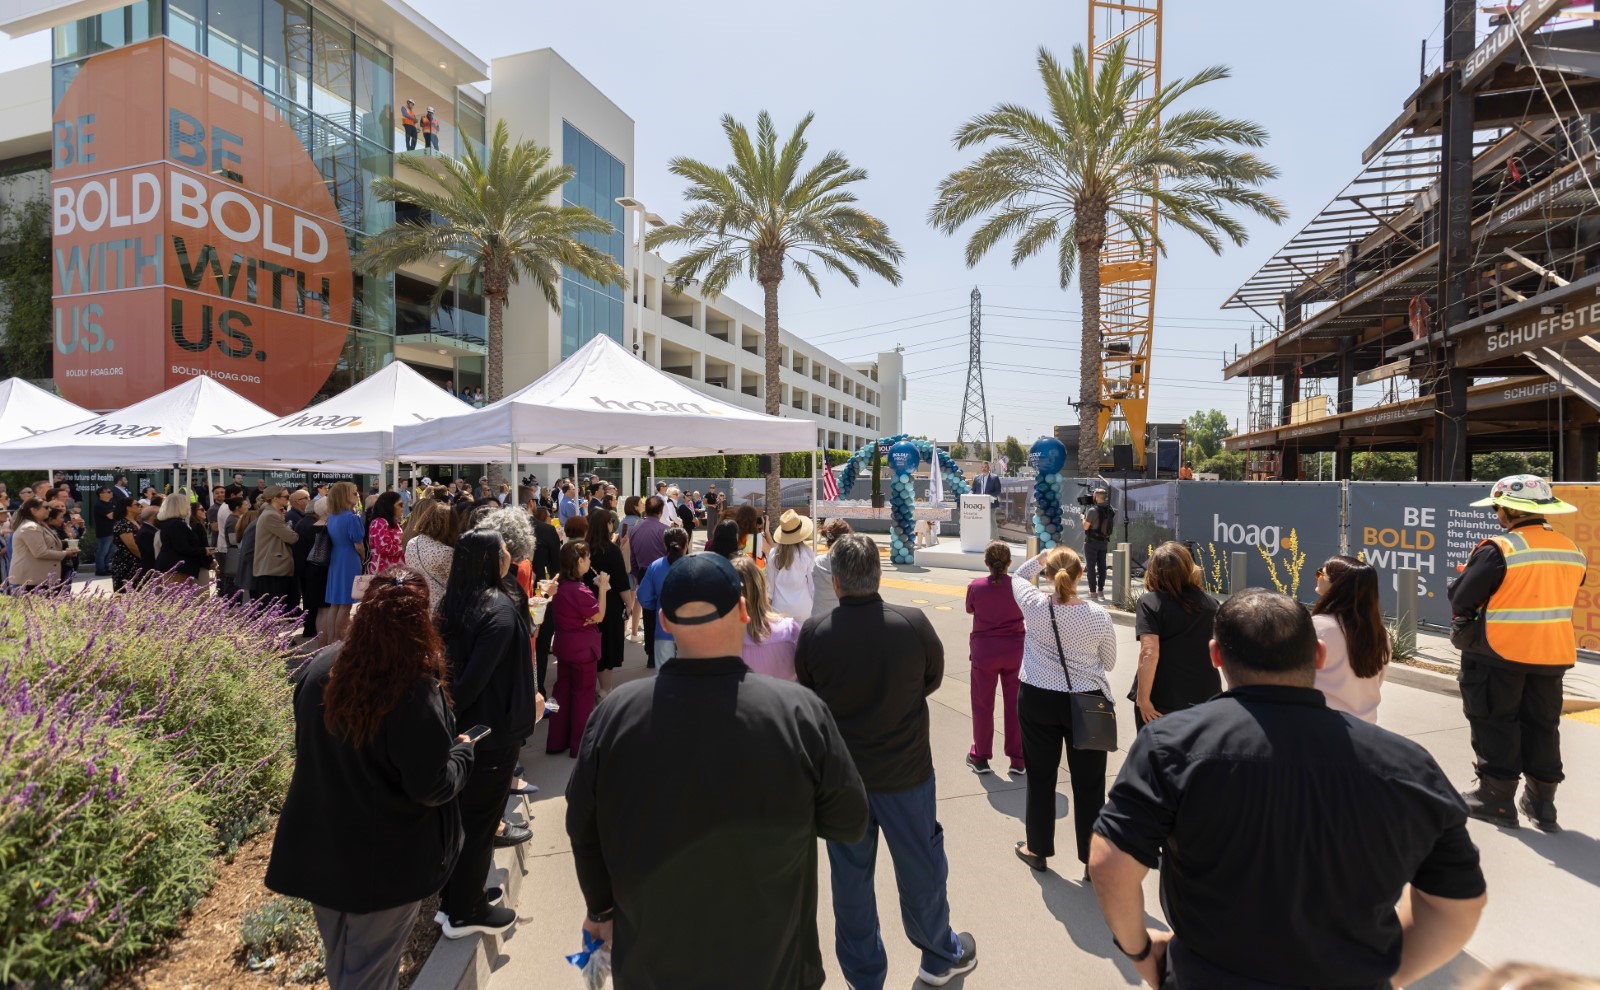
[[210, 676], [743, 466], [143, 733], [282, 925], [103, 844], [691, 467]]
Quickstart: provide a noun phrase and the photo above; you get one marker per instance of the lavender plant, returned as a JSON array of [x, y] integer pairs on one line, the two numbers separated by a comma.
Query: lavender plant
[[142, 734]]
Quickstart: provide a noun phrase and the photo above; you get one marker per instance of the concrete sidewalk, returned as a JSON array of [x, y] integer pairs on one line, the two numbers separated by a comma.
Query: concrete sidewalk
[[1037, 930]]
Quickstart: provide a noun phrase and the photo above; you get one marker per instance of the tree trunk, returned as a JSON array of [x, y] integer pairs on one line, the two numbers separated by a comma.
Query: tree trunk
[[769, 274], [1090, 347], [494, 366]]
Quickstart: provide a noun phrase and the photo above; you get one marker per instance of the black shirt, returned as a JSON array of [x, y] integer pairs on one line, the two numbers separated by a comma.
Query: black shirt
[[875, 665], [1286, 831], [1102, 519], [103, 515], [491, 673], [1184, 674], [695, 810]]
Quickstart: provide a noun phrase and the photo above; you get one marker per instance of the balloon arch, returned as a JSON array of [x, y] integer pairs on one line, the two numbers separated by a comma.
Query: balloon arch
[[905, 453]]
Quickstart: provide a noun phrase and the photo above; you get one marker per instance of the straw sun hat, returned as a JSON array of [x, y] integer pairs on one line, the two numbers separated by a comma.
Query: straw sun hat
[[792, 528]]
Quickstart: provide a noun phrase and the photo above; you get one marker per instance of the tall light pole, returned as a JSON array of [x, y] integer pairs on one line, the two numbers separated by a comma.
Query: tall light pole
[[647, 218]]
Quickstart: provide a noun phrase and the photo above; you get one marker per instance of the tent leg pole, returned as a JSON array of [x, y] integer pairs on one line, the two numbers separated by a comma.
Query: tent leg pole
[[814, 526], [652, 489], [516, 474]]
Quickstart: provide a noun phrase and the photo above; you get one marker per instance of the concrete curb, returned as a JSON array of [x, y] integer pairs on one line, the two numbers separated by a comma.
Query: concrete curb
[[468, 963]]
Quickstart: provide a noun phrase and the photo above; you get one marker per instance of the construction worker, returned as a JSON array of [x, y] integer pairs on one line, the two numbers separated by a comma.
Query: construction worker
[[1512, 604], [1186, 473], [430, 130], [408, 120]]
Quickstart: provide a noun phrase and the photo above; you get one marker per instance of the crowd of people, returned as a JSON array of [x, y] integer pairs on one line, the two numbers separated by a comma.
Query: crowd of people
[[790, 703]]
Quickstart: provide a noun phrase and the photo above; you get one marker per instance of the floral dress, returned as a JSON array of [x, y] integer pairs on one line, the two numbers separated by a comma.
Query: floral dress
[[124, 564], [385, 549]]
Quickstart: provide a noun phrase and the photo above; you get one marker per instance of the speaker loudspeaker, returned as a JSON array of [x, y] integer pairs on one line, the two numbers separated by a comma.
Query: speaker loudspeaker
[[1122, 457], [764, 464]]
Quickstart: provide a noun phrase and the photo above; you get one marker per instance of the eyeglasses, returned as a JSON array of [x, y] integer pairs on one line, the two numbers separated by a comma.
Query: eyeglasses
[[1321, 572]]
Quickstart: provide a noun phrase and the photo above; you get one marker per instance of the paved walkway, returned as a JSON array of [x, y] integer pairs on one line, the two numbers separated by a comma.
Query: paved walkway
[[1045, 929]]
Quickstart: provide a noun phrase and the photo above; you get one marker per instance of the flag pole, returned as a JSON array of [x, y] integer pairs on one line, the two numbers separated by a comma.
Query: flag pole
[[814, 526]]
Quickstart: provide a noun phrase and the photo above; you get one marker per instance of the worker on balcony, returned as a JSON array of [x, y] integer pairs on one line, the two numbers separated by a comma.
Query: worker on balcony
[[408, 120], [430, 130], [1512, 607]]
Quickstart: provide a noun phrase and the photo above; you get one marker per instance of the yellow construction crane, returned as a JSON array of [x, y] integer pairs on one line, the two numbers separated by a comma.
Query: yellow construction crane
[[1127, 269]]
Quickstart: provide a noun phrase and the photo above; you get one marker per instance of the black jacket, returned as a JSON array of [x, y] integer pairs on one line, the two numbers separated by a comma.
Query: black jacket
[[695, 810], [875, 664], [546, 551], [306, 528], [491, 673], [102, 518], [180, 548], [370, 828]]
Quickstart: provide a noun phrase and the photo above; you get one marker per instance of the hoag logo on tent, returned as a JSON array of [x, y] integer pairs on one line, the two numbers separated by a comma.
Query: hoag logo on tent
[[649, 405], [122, 431], [308, 422]]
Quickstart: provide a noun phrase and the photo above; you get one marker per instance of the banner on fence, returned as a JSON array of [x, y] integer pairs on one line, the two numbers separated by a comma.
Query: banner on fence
[[1287, 529], [1583, 528], [1430, 527]]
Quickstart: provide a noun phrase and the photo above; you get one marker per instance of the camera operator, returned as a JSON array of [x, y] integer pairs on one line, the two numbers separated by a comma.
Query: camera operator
[[1099, 519]]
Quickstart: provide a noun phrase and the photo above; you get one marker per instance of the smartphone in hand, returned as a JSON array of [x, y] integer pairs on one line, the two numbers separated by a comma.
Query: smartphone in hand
[[476, 733]]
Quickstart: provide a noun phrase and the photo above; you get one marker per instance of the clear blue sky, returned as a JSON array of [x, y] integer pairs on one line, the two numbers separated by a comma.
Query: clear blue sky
[[890, 80]]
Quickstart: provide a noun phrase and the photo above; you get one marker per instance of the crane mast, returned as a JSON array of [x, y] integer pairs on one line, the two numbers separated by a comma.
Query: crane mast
[[1127, 269]]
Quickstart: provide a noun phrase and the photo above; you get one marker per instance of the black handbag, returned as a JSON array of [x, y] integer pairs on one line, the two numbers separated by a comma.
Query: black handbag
[[1094, 717], [321, 549]]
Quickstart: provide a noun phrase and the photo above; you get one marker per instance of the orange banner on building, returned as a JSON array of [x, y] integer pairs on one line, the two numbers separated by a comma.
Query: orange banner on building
[[192, 235], [1583, 528]]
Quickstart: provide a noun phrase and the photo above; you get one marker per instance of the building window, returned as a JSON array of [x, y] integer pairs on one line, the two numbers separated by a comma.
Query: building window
[[374, 94], [472, 129], [115, 28], [332, 67], [233, 37], [186, 23], [587, 308], [286, 50]]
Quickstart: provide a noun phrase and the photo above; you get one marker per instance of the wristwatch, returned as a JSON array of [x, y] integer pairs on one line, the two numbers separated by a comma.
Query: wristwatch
[[1149, 943], [602, 917]]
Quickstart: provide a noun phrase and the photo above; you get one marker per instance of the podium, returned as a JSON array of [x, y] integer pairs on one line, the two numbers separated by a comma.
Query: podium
[[977, 522]]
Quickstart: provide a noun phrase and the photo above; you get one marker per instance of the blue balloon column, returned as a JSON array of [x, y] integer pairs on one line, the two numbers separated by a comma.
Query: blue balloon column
[[1047, 457], [903, 460], [905, 453]]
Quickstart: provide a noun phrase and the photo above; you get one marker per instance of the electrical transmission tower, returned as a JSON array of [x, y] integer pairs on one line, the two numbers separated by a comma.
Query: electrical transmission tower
[[973, 407]]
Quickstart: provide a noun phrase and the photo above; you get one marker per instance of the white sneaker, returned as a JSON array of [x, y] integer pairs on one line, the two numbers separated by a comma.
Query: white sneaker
[[494, 894], [965, 964]]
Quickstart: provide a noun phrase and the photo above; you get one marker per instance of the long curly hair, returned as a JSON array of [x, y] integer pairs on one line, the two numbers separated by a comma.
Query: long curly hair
[[391, 645]]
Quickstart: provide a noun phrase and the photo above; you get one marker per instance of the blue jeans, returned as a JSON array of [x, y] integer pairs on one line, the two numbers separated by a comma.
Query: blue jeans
[[916, 845], [102, 555]]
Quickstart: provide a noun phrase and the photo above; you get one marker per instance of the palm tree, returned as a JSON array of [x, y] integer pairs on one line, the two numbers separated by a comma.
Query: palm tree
[[494, 219], [1095, 160], [761, 211]]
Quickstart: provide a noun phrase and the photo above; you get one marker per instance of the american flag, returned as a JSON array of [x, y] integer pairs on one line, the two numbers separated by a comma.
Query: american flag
[[830, 484]]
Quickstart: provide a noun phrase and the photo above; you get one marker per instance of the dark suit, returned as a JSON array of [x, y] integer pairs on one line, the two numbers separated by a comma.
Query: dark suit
[[986, 484], [546, 560]]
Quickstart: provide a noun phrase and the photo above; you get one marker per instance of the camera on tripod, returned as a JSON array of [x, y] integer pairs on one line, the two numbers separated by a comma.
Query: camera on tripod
[[1087, 495]]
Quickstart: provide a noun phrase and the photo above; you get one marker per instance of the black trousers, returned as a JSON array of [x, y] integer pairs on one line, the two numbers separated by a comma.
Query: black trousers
[[649, 636], [282, 588], [541, 652], [1095, 552], [483, 802], [1046, 718], [1515, 718], [411, 137]]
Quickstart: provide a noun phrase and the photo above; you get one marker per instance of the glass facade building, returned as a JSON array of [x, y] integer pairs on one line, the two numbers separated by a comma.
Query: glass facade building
[[589, 309], [332, 83]]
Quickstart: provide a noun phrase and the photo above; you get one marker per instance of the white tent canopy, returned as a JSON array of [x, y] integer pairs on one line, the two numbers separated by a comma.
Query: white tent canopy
[[154, 433], [602, 402], [350, 432], [27, 409]]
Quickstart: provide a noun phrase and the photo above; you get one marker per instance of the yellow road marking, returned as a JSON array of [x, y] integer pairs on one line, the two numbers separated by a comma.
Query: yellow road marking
[[938, 589]]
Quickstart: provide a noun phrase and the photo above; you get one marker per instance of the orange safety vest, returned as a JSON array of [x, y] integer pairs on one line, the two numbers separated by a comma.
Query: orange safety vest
[[408, 116], [429, 122], [1529, 617]]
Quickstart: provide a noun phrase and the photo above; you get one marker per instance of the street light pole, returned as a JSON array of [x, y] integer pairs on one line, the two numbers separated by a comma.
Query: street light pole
[[646, 219]]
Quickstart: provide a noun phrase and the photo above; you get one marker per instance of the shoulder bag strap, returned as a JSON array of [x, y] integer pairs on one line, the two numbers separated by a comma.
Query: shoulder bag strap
[[1061, 654]]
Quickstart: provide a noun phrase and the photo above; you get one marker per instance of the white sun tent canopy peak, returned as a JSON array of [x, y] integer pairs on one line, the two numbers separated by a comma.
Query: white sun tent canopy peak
[[154, 433], [602, 401], [350, 432], [27, 409]]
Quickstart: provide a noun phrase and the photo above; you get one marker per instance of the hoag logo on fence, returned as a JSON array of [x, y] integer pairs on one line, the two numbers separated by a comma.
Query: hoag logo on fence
[[1250, 534]]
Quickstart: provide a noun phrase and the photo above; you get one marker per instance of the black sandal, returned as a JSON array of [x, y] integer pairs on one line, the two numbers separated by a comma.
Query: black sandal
[[1032, 859]]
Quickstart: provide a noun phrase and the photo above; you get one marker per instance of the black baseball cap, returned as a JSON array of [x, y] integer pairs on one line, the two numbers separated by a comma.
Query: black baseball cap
[[703, 577]]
